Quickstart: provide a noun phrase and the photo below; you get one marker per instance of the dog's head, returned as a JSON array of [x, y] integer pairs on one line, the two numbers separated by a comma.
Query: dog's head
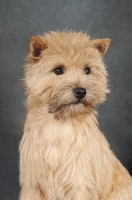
[[66, 73]]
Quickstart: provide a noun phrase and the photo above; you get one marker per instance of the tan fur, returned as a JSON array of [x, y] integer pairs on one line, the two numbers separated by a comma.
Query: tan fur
[[63, 154]]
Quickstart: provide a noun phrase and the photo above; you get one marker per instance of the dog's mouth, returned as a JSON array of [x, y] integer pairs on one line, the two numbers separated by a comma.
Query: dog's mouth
[[72, 109], [55, 108], [78, 102]]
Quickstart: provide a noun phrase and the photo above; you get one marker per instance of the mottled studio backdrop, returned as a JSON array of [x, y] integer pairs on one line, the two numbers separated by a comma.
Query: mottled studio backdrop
[[19, 20]]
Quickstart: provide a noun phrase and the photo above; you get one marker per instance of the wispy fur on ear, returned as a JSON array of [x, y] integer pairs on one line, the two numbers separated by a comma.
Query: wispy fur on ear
[[37, 45], [101, 45]]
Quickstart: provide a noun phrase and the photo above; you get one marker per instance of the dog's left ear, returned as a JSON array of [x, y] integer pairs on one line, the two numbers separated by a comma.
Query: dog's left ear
[[37, 45], [101, 45]]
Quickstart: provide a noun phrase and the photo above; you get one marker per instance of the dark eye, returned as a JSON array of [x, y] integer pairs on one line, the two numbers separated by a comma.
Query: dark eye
[[87, 70], [59, 70]]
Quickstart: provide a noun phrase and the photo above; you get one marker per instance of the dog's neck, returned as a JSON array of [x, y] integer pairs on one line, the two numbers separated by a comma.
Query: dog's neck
[[41, 115]]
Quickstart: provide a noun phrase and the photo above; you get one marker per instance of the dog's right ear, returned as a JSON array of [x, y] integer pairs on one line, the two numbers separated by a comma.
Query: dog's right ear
[[37, 45]]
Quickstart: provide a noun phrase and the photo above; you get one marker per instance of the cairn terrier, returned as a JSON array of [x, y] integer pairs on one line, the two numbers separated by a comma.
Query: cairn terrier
[[63, 154]]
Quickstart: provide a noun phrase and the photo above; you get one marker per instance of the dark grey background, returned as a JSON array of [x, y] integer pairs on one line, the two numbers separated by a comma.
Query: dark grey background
[[20, 19]]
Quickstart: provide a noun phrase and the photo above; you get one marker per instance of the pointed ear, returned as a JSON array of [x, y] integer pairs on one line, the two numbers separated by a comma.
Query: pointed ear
[[37, 45], [102, 45]]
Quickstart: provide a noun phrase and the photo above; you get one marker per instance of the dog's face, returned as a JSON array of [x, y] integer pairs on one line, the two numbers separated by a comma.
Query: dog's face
[[66, 73]]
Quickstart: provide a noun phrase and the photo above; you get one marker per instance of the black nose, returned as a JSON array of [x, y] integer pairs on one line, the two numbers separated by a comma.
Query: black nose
[[79, 92]]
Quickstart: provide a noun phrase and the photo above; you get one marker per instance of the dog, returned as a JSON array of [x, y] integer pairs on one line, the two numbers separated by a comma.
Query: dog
[[63, 154]]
